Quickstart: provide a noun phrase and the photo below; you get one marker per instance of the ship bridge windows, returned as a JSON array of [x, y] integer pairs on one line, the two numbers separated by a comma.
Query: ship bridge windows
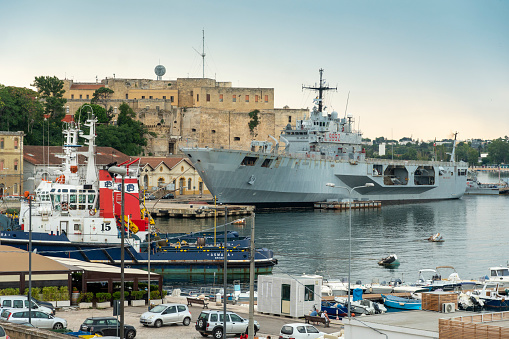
[[500, 272], [249, 161], [267, 162], [424, 175], [396, 175], [377, 170], [462, 171]]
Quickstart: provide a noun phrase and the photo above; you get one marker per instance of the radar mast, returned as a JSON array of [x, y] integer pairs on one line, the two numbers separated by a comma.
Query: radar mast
[[321, 88]]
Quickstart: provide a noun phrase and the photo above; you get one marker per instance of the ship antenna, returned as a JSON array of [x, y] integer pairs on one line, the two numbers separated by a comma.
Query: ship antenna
[[202, 54], [347, 98], [322, 87], [454, 147]]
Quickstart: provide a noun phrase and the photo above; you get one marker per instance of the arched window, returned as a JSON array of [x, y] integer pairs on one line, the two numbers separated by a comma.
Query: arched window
[[145, 181], [182, 183], [2, 143], [181, 168], [161, 169], [189, 184], [15, 165], [16, 143], [160, 182]]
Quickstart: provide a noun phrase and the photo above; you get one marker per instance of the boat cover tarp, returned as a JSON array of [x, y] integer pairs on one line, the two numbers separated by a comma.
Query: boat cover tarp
[[357, 294]]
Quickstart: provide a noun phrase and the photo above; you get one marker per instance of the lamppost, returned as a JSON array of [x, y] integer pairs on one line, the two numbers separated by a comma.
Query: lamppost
[[350, 190], [122, 172]]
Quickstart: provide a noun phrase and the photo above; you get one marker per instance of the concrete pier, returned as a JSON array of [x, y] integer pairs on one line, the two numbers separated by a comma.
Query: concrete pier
[[195, 210]]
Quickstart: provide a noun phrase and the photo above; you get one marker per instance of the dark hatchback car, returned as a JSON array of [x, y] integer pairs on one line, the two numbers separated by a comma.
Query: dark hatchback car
[[107, 326], [168, 196]]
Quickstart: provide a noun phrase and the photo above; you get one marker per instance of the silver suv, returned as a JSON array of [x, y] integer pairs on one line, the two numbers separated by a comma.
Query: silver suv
[[211, 322]]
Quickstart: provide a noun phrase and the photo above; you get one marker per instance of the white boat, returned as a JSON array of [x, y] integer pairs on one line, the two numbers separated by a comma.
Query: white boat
[[475, 187], [499, 275], [334, 288], [363, 306], [492, 299], [376, 288]]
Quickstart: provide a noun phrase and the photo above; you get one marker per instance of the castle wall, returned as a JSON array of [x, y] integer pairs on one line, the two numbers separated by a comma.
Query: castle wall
[[191, 111]]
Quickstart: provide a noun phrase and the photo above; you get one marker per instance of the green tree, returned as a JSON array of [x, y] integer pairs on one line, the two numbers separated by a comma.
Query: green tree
[[102, 96], [410, 154], [19, 109], [498, 151], [99, 112], [128, 136], [254, 122], [51, 90], [126, 115]]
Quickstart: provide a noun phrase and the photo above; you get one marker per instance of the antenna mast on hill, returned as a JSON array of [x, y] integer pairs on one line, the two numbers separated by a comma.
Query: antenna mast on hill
[[321, 87], [202, 54]]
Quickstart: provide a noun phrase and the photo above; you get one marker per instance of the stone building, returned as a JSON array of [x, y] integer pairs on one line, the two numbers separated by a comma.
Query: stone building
[[177, 174], [11, 164], [191, 111]]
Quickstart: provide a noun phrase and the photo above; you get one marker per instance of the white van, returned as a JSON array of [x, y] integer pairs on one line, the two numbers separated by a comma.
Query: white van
[[21, 301]]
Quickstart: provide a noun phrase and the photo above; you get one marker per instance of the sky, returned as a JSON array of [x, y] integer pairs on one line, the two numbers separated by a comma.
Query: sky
[[420, 69]]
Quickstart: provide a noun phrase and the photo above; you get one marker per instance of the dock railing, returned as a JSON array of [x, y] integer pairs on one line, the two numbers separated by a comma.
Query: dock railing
[[474, 326]]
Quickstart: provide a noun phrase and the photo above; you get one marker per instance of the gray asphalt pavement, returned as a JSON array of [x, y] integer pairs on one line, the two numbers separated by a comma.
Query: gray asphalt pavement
[[270, 325]]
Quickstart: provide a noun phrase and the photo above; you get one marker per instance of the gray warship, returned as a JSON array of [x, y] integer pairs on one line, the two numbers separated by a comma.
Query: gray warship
[[322, 158]]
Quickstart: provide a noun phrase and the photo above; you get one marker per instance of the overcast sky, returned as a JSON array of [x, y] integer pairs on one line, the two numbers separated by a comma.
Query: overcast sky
[[413, 68]]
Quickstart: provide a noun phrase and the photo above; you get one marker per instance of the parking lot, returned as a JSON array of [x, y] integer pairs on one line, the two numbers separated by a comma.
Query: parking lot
[[270, 325]]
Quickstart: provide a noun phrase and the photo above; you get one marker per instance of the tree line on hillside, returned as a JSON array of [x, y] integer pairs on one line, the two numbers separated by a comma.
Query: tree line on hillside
[[498, 151], [39, 115]]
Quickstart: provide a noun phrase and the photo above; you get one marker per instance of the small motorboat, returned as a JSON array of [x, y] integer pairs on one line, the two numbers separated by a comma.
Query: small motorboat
[[359, 307], [437, 237], [239, 221], [492, 299], [391, 261], [335, 310], [401, 303], [377, 288]]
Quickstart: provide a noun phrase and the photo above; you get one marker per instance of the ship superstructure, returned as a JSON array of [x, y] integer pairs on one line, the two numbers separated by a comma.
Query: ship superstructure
[[79, 216]]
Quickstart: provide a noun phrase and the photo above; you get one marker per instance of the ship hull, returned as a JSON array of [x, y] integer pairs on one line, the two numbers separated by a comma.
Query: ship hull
[[281, 180], [184, 264]]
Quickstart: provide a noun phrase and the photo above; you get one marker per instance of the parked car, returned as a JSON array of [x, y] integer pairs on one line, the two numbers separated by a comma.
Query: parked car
[[168, 196], [106, 326], [21, 301], [45, 304], [299, 331], [211, 322], [3, 335], [150, 196], [164, 314], [39, 319]]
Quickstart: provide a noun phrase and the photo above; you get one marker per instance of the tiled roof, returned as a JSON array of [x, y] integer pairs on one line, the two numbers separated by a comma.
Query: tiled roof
[[156, 161], [38, 155], [87, 86], [68, 118]]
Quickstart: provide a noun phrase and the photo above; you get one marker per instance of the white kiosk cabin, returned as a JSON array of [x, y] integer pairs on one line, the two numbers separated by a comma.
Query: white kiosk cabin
[[289, 296]]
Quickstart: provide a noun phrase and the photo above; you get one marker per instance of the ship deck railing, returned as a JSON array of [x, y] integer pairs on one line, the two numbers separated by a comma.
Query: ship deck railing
[[311, 156]]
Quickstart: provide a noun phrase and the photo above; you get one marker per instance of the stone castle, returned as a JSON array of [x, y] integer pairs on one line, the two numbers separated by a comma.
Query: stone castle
[[191, 111]]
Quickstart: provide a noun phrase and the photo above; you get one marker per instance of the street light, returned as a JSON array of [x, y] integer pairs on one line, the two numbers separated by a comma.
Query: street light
[[122, 172], [350, 190]]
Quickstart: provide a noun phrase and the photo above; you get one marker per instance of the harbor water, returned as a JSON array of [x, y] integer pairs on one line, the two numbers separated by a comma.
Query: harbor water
[[316, 241]]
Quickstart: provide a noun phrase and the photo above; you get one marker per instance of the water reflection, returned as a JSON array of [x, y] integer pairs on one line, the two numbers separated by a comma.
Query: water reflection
[[309, 241]]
